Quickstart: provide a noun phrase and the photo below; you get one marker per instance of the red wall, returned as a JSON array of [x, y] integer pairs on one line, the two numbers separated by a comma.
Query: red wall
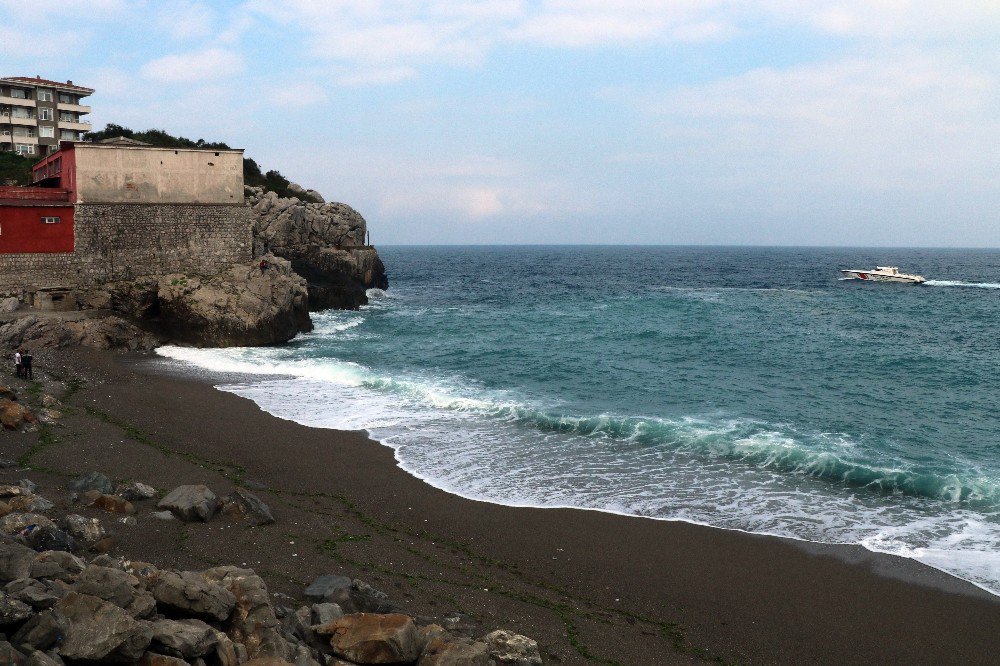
[[21, 229]]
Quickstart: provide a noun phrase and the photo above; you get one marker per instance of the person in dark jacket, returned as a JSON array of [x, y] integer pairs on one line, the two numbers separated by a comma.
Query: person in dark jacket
[[26, 365]]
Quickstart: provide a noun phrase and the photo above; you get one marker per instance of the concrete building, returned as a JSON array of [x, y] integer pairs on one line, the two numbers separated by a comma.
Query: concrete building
[[129, 172], [37, 114]]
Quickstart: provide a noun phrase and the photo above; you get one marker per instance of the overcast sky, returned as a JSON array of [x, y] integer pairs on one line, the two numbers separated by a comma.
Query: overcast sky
[[777, 122]]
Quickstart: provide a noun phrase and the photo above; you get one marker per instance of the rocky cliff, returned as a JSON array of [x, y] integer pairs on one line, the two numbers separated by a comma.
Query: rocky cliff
[[325, 243]]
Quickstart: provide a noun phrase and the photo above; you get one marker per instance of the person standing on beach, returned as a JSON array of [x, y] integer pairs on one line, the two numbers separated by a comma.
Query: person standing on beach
[[17, 362], [26, 365]]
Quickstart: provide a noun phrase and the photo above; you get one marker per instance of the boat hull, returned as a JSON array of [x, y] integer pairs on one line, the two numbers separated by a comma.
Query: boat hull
[[872, 276]]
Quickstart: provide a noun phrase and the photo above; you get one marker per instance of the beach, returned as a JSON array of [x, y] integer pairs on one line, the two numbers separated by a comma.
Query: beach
[[590, 587]]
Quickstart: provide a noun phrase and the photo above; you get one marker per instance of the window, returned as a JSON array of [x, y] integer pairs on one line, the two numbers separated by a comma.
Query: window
[[45, 113], [66, 99], [67, 135], [20, 112], [18, 93], [51, 220], [24, 149], [24, 131], [47, 131], [44, 95], [67, 117]]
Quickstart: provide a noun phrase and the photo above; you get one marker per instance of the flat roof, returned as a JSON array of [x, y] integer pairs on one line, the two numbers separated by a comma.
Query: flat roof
[[104, 146], [38, 81]]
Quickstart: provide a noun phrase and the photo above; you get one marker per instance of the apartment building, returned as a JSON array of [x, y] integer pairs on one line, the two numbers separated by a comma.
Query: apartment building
[[36, 114]]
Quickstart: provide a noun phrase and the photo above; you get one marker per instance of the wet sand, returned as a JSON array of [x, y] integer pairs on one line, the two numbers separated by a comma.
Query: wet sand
[[591, 587]]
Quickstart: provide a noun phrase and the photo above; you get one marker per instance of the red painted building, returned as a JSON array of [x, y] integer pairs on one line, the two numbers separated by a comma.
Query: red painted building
[[35, 219]]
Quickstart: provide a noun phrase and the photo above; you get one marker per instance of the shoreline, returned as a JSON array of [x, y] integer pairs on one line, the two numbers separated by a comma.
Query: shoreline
[[183, 369], [591, 586]]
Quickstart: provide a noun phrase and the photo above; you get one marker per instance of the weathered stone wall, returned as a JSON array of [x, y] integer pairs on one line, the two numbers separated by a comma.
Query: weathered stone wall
[[125, 241]]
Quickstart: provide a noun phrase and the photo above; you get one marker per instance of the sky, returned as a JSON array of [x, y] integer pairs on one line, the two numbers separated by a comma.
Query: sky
[[763, 122]]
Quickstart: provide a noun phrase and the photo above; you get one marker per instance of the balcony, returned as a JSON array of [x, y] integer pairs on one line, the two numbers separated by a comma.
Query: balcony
[[6, 138], [70, 125], [77, 108], [17, 101], [14, 120], [29, 140]]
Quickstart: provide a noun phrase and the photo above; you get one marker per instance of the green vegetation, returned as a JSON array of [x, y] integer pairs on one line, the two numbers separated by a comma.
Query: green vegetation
[[15, 169], [252, 173]]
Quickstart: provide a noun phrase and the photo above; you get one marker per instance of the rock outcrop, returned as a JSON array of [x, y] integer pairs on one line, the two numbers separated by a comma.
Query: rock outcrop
[[325, 242], [35, 332]]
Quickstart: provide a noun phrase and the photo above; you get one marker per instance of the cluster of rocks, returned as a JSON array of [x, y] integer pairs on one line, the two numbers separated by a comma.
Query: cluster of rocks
[[326, 243], [65, 599], [111, 332]]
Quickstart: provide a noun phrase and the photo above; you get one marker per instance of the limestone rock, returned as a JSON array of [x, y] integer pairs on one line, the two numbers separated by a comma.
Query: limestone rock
[[329, 589], [326, 243], [11, 657], [189, 503], [14, 415], [452, 651], [49, 537], [39, 658], [113, 504], [13, 611], [369, 638], [325, 613], [192, 592], [153, 659], [509, 649], [57, 565], [30, 503], [253, 622], [184, 638], [259, 303], [247, 506], [135, 492], [42, 631], [16, 523], [35, 332], [9, 304], [87, 531], [107, 583], [93, 481], [97, 629]]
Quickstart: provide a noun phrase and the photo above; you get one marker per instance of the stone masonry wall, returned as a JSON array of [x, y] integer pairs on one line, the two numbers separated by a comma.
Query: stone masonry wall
[[125, 241]]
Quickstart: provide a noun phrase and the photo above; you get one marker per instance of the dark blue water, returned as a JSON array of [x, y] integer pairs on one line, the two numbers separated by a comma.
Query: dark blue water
[[747, 388]]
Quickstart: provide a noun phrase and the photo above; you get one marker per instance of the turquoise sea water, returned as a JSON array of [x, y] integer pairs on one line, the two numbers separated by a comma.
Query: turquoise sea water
[[744, 388]]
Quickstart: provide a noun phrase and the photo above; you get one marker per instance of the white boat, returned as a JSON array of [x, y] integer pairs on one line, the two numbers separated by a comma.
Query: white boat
[[884, 274]]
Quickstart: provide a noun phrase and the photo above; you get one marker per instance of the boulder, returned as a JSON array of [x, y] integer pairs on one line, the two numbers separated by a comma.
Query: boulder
[[35, 593], [325, 613], [184, 638], [369, 638], [39, 658], [192, 592], [13, 611], [110, 584], [135, 492], [9, 304], [258, 303], [93, 481], [444, 650], [30, 503], [57, 565], [14, 415], [49, 537], [15, 561], [97, 629], [87, 531], [13, 490], [42, 631], [248, 507], [190, 503], [113, 504], [329, 588], [253, 622], [509, 649], [11, 657], [153, 659]]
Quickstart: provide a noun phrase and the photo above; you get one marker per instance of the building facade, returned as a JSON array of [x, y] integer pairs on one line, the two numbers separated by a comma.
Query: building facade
[[99, 213], [37, 114]]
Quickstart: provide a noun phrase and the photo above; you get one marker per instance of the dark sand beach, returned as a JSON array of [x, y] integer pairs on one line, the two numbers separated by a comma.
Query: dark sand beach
[[590, 587]]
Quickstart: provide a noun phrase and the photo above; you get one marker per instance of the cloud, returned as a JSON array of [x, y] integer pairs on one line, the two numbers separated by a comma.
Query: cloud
[[301, 94], [377, 76], [205, 65], [186, 20]]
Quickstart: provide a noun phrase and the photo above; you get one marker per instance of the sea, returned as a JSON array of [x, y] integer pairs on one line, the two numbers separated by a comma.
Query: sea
[[744, 388]]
